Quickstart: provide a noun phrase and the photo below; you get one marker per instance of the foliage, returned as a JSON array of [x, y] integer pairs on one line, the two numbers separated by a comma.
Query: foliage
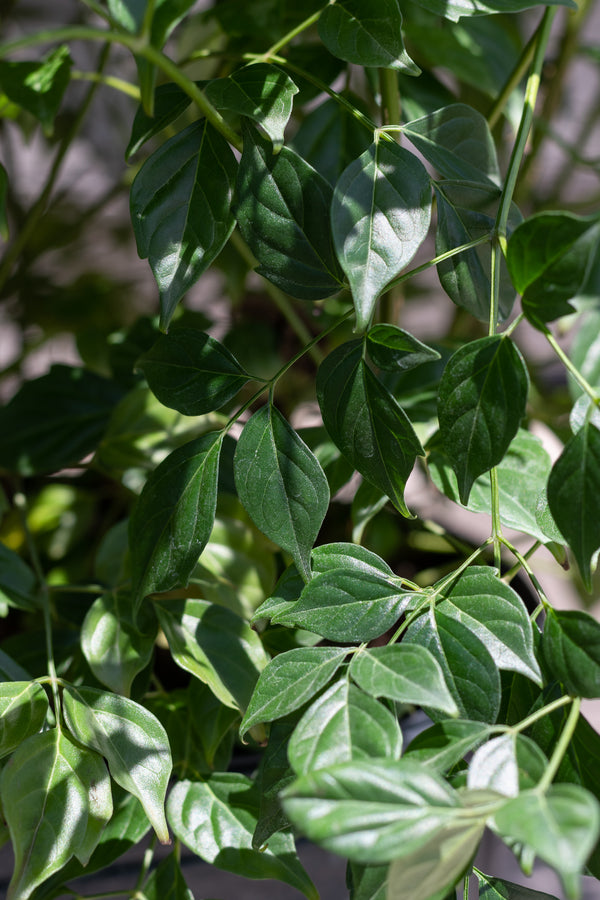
[[217, 614]]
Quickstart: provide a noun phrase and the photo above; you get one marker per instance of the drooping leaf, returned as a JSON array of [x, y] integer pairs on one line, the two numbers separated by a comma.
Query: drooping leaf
[[407, 673], [131, 739], [181, 209], [380, 216], [55, 798], [571, 650], [573, 485], [173, 516], [341, 725], [38, 86], [23, 708], [454, 9], [393, 349], [491, 888], [443, 745], [366, 423], [3, 195], [482, 398], [216, 646], [281, 484], [507, 764], [283, 214], [201, 812], [55, 420], [367, 36], [289, 681], [166, 882], [18, 584]]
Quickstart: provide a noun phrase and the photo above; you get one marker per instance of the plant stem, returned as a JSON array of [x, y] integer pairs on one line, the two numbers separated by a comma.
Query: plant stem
[[119, 84], [525, 565], [390, 97], [512, 82], [438, 259], [562, 746], [287, 38], [508, 576], [524, 724], [573, 370]]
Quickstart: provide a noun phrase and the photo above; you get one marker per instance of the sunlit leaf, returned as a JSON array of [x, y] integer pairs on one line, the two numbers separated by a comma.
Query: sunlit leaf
[[393, 349], [38, 86], [367, 36], [23, 708]]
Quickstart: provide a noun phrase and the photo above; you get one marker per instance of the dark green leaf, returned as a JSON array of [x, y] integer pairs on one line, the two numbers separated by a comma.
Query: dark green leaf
[[173, 517], [571, 650], [454, 9], [367, 36], [56, 420], [366, 423], [281, 484], [38, 87], [507, 764], [11, 670], [18, 584], [133, 742], [482, 399], [405, 672], [274, 774], [283, 215], [573, 487], [341, 725], [215, 646], [181, 209], [289, 681], [169, 103], [491, 888], [3, 195], [380, 217], [585, 351], [166, 882], [201, 812], [23, 708], [444, 745], [393, 349], [367, 882]]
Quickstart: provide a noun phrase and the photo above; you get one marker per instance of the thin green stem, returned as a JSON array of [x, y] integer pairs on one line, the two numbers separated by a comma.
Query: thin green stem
[[268, 55], [562, 746], [438, 259], [524, 724], [508, 576], [527, 568], [147, 23], [512, 82], [441, 585], [119, 84], [390, 97], [572, 369], [496, 523], [76, 589], [510, 328], [146, 863], [98, 9]]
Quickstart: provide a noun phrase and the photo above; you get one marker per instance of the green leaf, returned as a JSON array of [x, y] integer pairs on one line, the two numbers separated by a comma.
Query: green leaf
[[491, 888], [571, 650], [289, 681], [273, 775], [38, 86], [11, 670], [407, 673], [466, 212], [260, 92], [56, 420], [130, 15], [457, 141], [366, 882], [281, 484], [23, 708], [166, 882], [393, 349], [133, 742], [573, 485], [380, 216], [443, 745], [507, 764], [191, 372], [202, 812], [216, 646], [367, 36], [366, 423], [561, 826], [181, 209], [283, 215], [3, 196], [115, 647], [173, 517], [482, 399], [341, 725], [455, 9], [18, 584], [548, 258], [56, 800], [169, 103]]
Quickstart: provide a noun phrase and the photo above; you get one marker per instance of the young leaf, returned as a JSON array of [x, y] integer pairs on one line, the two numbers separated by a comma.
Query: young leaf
[[38, 87], [133, 742], [343, 724], [380, 216], [18, 584], [573, 485], [507, 764], [23, 708], [56, 799], [173, 517], [571, 650], [181, 209], [366, 423], [283, 215], [407, 673], [368, 37], [201, 813], [281, 484], [289, 681], [215, 646], [491, 888], [166, 882], [482, 398], [393, 349]]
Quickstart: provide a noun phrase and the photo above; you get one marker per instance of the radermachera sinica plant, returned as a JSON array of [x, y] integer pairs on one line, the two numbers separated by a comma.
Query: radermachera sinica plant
[[216, 622]]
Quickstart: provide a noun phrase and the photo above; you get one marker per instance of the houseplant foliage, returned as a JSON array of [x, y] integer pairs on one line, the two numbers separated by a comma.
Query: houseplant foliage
[[323, 147]]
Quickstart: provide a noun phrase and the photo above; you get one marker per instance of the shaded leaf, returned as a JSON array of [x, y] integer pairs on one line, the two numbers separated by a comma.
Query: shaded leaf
[[392, 349], [368, 37], [274, 773], [23, 708], [166, 882], [18, 584], [169, 103], [38, 86], [444, 744], [507, 764], [571, 650], [491, 888]]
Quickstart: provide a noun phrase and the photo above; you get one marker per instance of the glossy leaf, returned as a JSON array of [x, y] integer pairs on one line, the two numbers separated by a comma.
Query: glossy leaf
[[38, 86], [341, 725], [366, 423], [173, 517], [56, 799], [407, 673], [491, 888], [455, 9], [444, 745], [368, 37], [283, 214], [289, 681], [166, 882], [18, 584], [573, 485], [380, 217], [201, 812], [393, 349], [216, 646], [482, 399], [181, 209], [507, 764], [133, 742], [281, 484], [571, 650], [23, 708]]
